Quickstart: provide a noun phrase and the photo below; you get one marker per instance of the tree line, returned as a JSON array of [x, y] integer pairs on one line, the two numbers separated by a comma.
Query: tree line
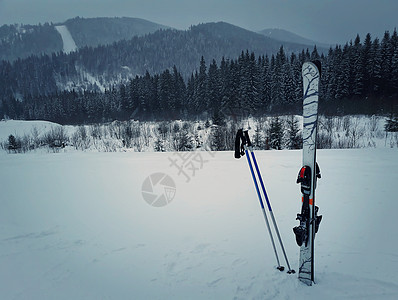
[[359, 77], [265, 132]]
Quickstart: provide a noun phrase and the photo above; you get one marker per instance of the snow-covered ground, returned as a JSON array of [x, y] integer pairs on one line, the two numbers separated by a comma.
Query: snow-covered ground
[[67, 39], [75, 225]]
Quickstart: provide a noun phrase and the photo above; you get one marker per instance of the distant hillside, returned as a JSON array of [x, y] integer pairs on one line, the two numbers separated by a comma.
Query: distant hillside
[[287, 36], [237, 37], [21, 41], [103, 31]]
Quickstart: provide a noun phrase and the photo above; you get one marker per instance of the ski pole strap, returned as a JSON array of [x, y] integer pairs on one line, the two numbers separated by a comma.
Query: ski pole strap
[[317, 171], [249, 143]]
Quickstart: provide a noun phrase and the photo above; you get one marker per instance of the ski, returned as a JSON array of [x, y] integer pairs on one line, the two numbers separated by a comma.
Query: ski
[[308, 174]]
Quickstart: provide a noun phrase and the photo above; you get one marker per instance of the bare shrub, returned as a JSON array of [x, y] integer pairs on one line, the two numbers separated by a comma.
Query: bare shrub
[[79, 139], [96, 131], [56, 138], [324, 140], [355, 132]]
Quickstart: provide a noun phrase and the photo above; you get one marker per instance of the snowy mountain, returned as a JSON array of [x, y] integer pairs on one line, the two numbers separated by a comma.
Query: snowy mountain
[[103, 31], [91, 68], [21, 41]]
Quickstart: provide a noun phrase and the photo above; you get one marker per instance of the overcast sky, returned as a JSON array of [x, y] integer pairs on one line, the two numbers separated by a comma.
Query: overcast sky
[[328, 21]]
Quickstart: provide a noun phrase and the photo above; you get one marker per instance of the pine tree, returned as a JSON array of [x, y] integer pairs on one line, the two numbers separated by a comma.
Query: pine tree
[[218, 138], [366, 63], [190, 107], [124, 99], [165, 91], [13, 144], [343, 75], [278, 78], [179, 91], [133, 101], [228, 94], [358, 66], [288, 84], [257, 137], [391, 124], [276, 131], [235, 102], [315, 54], [297, 80], [394, 72], [293, 132], [201, 101], [213, 92], [386, 57], [394, 62], [375, 68]]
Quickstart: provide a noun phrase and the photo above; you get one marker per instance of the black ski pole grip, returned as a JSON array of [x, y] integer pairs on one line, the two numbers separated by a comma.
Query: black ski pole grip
[[238, 146], [249, 143]]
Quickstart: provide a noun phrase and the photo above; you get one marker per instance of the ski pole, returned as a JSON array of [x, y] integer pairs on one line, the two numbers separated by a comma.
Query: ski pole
[[240, 136], [249, 145]]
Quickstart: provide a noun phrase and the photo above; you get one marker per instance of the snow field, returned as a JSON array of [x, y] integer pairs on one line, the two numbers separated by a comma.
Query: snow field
[[21, 128], [75, 226]]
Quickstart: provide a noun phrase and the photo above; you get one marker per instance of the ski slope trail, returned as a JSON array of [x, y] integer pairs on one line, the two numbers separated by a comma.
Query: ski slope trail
[[75, 225], [67, 39]]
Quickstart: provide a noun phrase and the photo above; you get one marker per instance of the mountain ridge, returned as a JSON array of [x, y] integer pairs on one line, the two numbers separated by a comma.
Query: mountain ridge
[[103, 30], [288, 36], [19, 41], [96, 68], [22, 41]]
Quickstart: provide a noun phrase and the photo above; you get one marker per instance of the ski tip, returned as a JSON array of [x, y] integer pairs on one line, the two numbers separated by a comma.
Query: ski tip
[[317, 63], [291, 271], [281, 268]]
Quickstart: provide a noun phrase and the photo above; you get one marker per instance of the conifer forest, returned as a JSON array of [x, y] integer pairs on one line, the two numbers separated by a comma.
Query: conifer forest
[[360, 77]]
